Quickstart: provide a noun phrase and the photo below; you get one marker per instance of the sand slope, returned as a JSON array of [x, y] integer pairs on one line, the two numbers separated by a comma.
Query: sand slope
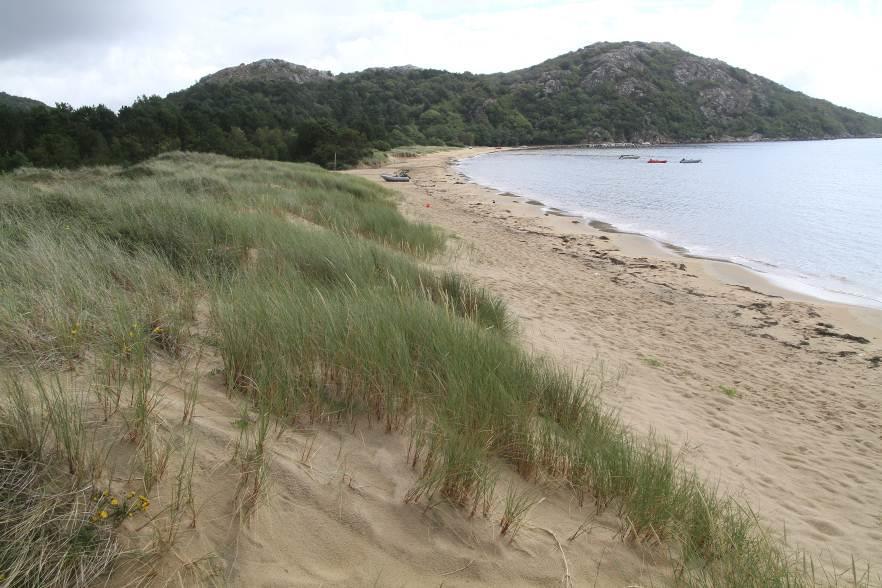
[[334, 515], [743, 379]]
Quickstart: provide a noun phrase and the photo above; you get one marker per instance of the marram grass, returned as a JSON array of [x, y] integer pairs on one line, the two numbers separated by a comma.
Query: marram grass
[[322, 313]]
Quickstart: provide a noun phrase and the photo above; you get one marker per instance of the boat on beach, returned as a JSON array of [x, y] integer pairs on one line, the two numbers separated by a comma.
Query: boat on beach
[[685, 160], [629, 157], [399, 176], [656, 160]]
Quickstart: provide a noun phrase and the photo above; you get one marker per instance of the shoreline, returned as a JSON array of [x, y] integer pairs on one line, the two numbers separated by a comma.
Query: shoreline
[[767, 392], [854, 309], [721, 141]]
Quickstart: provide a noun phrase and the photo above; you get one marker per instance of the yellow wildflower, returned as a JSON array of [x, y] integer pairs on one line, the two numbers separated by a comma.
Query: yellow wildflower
[[114, 502], [131, 494], [103, 514], [105, 493]]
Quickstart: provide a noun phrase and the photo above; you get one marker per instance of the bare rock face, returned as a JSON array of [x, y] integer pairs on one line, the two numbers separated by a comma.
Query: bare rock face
[[724, 90], [551, 83], [267, 70], [394, 68], [690, 69], [622, 67]]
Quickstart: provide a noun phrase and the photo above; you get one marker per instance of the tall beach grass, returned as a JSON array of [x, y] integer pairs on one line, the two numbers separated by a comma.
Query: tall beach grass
[[322, 312]]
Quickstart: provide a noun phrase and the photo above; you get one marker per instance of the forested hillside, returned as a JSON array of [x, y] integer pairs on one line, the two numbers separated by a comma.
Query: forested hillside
[[276, 110], [18, 102]]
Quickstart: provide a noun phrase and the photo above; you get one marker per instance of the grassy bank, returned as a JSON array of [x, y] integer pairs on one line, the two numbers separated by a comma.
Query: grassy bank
[[381, 158], [311, 288]]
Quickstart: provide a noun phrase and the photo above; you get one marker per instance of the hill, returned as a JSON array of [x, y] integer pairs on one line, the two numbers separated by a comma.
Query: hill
[[18, 102], [658, 92], [267, 70], [606, 92]]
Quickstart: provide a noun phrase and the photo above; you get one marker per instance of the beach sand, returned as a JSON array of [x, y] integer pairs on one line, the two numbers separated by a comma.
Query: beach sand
[[333, 513], [760, 387]]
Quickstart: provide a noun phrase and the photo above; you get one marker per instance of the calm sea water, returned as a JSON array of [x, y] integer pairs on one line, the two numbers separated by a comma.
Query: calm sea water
[[809, 214]]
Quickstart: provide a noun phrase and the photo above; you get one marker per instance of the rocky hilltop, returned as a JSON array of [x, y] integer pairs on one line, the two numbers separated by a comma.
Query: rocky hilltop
[[680, 85], [639, 70], [267, 70]]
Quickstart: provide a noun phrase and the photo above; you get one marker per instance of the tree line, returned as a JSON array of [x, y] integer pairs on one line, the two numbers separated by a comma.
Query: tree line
[[352, 115]]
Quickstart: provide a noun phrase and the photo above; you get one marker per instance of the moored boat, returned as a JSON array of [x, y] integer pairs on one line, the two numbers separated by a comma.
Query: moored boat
[[399, 176], [656, 160], [684, 160], [629, 157]]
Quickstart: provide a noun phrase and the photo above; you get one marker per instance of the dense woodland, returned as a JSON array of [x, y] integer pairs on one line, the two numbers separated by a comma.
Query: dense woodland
[[604, 92]]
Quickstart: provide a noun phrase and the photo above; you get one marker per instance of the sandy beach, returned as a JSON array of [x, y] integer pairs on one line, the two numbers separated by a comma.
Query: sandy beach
[[772, 394], [771, 398]]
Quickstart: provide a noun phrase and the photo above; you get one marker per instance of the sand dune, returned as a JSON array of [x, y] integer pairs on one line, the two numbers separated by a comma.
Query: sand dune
[[754, 383], [334, 514]]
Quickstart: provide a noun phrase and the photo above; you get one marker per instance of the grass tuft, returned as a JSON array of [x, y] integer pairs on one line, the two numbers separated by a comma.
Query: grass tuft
[[729, 391], [517, 506]]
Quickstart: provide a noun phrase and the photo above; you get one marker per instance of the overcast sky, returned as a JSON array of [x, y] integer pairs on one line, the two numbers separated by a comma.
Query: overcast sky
[[103, 51]]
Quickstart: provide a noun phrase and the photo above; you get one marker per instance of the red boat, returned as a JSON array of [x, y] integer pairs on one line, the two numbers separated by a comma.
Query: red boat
[[657, 161]]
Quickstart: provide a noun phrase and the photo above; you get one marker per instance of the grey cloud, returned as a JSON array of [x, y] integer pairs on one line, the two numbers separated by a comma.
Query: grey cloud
[[46, 26]]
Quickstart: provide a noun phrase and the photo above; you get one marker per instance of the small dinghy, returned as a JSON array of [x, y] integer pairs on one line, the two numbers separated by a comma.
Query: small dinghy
[[656, 161], [629, 157], [400, 176], [684, 160]]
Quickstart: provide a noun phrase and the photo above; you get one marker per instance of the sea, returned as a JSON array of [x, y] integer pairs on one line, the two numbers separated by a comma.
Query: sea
[[808, 214]]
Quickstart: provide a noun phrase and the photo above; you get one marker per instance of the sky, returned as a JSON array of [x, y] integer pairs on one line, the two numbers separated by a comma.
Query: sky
[[109, 52]]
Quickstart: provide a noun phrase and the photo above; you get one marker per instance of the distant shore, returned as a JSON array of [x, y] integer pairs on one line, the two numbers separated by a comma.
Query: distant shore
[[675, 142], [770, 391]]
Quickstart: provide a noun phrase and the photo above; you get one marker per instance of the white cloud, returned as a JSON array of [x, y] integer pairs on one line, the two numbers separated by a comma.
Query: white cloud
[[825, 49]]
